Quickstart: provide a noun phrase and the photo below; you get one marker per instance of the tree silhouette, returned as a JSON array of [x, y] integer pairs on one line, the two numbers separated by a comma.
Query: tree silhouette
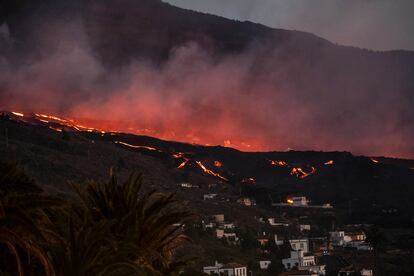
[[23, 222]]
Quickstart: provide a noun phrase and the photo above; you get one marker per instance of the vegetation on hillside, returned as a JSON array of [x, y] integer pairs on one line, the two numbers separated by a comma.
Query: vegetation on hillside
[[109, 228]]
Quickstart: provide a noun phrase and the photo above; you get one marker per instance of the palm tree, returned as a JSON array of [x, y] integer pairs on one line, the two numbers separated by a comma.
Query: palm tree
[[88, 248], [23, 222], [147, 226]]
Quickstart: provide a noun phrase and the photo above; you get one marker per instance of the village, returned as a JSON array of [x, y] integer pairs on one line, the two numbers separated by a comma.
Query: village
[[285, 244]]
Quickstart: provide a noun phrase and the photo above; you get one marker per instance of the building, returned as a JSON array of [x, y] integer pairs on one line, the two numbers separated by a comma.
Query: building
[[228, 225], [337, 238], [264, 264], [300, 244], [350, 239], [274, 222], [356, 236], [298, 259], [187, 185], [219, 218], [263, 241], [219, 233], [246, 202], [298, 201], [208, 225], [278, 241], [366, 272], [230, 269], [304, 227], [209, 196]]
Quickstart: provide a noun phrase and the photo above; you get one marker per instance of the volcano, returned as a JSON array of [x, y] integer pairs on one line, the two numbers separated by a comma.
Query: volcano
[[55, 152], [198, 78]]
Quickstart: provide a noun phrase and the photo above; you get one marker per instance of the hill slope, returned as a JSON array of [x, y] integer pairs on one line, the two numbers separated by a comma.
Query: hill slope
[[55, 154]]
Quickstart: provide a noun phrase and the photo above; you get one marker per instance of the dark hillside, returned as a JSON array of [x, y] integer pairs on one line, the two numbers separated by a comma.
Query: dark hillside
[[351, 183]]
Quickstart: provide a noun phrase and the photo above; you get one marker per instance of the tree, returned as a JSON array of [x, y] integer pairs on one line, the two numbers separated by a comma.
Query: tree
[[376, 238], [276, 267], [88, 248], [23, 222], [148, 226], [248, 241]]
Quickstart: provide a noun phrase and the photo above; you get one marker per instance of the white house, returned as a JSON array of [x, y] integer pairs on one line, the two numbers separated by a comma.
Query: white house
[[230, 269], [359, 245], [186, 185], [274, 222], [340, 238], [356, 236], [304, 227], [209, 196], [264, 264], [277, 241], [298, 201], [209, 225], [219, 233], [219, 218], [246, 202], [366, 272], [298, 259], [228, 225], [300, 244], [337, 238]]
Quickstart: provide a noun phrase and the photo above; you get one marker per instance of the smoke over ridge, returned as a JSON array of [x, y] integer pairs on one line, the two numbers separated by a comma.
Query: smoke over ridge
[[262, 98]]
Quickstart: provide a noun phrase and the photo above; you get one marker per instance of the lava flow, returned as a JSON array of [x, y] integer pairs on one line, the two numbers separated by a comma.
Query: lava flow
[[180, 155], [301, 174], [18, 114], [330, 162], [278, 163], [136, 147], [210, 172]]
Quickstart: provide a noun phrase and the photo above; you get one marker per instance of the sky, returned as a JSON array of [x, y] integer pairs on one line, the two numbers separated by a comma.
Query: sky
[[371, 24]]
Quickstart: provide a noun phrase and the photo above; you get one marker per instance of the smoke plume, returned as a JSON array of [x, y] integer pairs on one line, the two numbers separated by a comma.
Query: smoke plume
[[257, 99]]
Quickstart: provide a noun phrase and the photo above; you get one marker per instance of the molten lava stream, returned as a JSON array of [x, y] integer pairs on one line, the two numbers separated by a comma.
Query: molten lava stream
[[210, 172], [136, 147], [19, 114], [278, 163], [301, 174]]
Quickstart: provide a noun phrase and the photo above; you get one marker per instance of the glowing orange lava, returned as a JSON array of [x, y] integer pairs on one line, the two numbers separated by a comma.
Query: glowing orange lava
[[18, 114], [301, 174], [135, 147], [278, 163], [55, 129], [210, 172], [330, 162]]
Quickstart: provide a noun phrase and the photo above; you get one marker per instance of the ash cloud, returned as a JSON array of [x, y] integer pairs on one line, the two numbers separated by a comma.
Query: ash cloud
[[263, 98]]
